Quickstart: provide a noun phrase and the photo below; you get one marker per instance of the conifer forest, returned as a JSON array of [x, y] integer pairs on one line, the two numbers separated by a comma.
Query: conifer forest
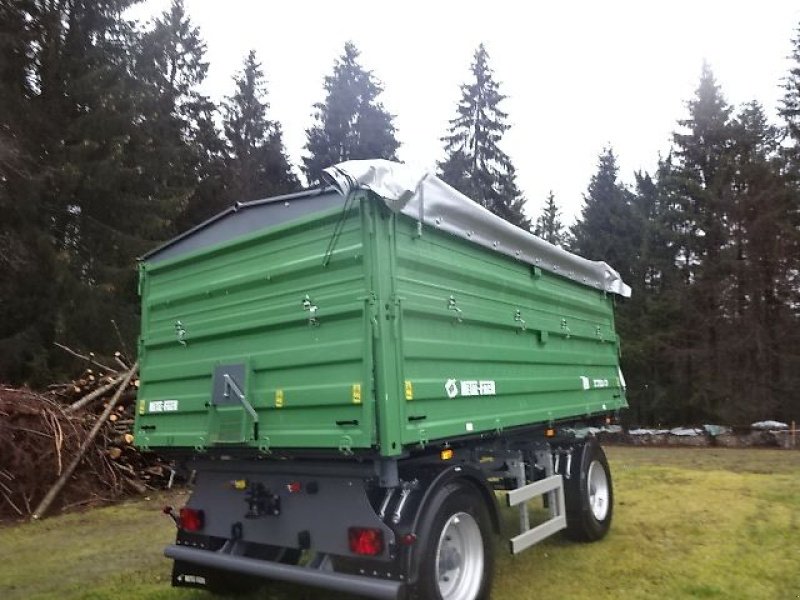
[[108, 147]]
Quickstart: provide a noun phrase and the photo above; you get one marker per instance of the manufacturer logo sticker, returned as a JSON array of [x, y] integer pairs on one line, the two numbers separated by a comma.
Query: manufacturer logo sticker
[[163, 406], [470, 387], [588, 384]]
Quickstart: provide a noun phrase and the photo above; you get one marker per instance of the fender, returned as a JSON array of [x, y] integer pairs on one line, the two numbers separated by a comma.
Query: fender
[[572, 480], [429, 488]]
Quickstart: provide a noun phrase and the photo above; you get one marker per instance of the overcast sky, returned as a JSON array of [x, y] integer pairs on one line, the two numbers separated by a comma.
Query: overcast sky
[[578, 75]]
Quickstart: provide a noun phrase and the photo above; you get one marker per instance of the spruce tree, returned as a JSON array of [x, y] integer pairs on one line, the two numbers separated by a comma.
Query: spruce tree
[[649, 321], [608, 228], [96, 147], [27, 255], [99, 182], [212, 171], [256, 157], [171, 59], [351, 123], [790, 103], [548, 225], [704, 172], [474, 163], [761, 291], [699, 187]]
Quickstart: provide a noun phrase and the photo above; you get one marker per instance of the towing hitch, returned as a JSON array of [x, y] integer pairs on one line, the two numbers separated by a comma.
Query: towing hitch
[[261, 502]]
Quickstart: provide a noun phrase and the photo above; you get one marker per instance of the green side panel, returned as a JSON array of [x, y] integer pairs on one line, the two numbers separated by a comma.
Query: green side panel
[[489, 343], [404, 336], [247, 308]]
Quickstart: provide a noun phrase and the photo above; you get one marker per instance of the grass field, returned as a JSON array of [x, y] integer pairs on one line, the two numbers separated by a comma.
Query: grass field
[[689, 523]]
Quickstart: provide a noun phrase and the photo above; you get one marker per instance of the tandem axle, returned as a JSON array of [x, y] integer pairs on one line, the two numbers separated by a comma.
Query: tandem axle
[[419, 526]]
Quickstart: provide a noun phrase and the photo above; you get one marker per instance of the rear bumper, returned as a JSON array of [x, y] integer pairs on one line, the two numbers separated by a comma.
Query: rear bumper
[[340, 582]]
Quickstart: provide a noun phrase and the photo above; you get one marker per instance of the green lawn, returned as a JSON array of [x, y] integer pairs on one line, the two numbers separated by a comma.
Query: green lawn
[[689, 523]]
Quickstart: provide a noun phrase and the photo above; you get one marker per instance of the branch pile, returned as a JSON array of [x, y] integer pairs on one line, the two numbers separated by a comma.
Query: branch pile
[[72, 445]]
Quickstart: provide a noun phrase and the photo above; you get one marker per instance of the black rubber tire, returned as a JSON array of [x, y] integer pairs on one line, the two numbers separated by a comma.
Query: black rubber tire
[[582, 525], [450, 499]]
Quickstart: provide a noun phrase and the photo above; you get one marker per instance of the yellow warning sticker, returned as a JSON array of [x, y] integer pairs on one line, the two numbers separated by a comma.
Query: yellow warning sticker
[[278, 398], [356, 393], [141, 407], [409, 390]]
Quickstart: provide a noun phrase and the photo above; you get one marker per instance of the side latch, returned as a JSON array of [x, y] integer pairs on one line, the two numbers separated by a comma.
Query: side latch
[[519, 320], [180, 333], [565, 328], [312, 311], [452, 305]]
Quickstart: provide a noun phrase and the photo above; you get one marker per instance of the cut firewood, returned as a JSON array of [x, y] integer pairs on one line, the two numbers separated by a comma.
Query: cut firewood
[[51, 495], [95, 394], [122, 439], [121, 339], [58, 427], [89, 359], [137, 487], [120, 362]]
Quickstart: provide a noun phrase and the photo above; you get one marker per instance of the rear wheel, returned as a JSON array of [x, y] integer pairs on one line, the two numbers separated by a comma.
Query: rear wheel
[[456, 545], [589, 494]]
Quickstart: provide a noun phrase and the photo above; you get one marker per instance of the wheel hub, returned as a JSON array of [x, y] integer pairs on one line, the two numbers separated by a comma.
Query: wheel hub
[[598, 490], [459, 558]]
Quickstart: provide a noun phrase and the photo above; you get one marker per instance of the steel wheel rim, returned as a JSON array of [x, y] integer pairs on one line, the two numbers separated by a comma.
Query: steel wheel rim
[[598, 490], [459, 558]]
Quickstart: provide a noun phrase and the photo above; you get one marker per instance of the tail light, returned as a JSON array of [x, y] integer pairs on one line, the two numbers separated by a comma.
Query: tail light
[[192, 519], [365, 541]]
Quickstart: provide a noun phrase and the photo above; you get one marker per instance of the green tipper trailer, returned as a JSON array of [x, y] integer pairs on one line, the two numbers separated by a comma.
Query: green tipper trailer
[[353, 371]]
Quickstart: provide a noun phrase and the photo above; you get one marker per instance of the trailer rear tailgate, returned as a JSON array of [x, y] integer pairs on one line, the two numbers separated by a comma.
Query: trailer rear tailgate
[[258, 322]]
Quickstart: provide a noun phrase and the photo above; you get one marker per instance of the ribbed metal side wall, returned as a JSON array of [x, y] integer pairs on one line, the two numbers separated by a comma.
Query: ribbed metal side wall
[[540, 339], [516, 345], [242, 302]]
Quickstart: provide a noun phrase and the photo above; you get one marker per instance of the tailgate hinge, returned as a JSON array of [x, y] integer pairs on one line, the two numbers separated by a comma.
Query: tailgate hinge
[[393, 311], [346, 445], [372, 310]]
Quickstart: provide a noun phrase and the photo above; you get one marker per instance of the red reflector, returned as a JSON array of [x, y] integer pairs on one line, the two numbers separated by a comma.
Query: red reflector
[[408, 539], [294, 487], [365, 541], [192, 519]]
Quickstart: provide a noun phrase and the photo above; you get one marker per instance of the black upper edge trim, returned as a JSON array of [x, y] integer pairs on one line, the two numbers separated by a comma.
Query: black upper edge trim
[[317, 191]]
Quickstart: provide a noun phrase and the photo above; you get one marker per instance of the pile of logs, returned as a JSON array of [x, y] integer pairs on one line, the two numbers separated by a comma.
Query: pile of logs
[[72, 444]]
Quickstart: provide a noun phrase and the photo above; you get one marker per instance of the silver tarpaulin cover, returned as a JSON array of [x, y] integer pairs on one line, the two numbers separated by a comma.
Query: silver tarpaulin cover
[[429, 200]]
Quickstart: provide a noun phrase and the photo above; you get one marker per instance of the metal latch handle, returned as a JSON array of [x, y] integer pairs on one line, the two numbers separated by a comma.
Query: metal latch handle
[[230, 384]]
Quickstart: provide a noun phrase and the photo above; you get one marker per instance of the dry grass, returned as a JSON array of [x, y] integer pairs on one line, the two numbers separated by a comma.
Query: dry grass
[[689, 523]]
